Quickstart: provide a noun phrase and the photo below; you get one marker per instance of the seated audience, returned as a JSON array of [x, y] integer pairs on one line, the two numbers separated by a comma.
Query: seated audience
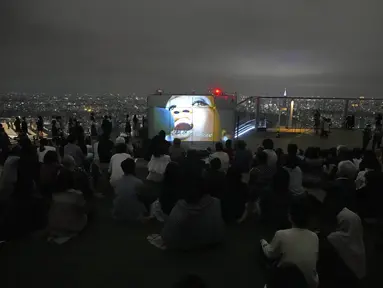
[[345, 183], [234, 197], [298, 245], [67, 214], [157, 164], [43, 149], [369, 163], [115, 169], [75, 151], [243, 157], [48, 174], [171, 187], [215, 179], [176, 151], [272, 157], [296, 176], [342, 261], [195, 221], [222, 156], [126, 205]]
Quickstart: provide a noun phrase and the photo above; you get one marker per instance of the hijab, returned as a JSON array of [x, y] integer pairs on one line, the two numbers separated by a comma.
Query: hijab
[[348, 242]]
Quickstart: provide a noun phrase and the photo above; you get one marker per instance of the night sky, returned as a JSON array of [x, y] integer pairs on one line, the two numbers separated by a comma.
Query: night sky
[[255, 47]]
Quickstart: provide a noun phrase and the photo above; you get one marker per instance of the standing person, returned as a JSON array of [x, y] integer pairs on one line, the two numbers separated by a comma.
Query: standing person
[[17, 124], [377, 138], [135, 125], [24, 126], [40, 126], [128, 127], [366, 136], [93, 126], [106, 126], [316, 121]]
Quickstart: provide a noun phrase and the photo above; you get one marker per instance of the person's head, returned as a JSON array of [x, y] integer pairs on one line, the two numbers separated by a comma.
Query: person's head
[[190, 281], [120, 140], [121, 148], [347, 170], [215, 164], [177, 142], [128, 166], [51, 157], [218, 147], [172, 174], [72, 139], [162, 134], [268, 144], [299, 213], [241, 145], [229, 144], [292, 149], [261, 158], [68, 162]]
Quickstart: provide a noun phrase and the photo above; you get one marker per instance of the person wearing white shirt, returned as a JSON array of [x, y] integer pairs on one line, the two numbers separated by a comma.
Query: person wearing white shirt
[[115, 169], [272, 157], [296, 176], [43, 149], [222, 156], [298, 245], [157, 165]]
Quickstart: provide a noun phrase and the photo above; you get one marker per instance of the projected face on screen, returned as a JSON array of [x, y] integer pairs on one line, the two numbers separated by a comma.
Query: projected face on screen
[[194, 117]]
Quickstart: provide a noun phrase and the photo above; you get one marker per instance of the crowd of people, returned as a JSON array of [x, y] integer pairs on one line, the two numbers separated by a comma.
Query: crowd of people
[[196, 194]]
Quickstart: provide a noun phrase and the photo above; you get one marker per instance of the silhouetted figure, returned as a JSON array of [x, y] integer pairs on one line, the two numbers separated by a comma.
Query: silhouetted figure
[[24, 126], [316, 121], [128, 127], [40, 126], [17, 124]]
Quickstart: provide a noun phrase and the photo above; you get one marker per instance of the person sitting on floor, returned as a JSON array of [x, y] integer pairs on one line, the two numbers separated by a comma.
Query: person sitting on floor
[[157, 164], [215, 179], [221, 155], [296, 176], [298, 245], [342, 259], [67, 214], [115, 169], [176, 151], [345, 183], [126, 205], [194, 222]]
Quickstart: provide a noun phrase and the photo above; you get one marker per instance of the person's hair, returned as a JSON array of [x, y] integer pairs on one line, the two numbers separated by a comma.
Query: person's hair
[[177, 142], [292, 149], [299, 213], [68, 162], [218, 146], [190, 281], [71, 139], [121, 148], [241, 145], [51, 157], [215, 164], [347, 169], [128, 166], [162, 133], [268, 144], [43, 142], [228, 144]]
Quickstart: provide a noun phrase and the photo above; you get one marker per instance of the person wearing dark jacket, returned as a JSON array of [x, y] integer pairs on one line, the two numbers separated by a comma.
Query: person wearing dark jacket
[[24, 126], [105, 149]]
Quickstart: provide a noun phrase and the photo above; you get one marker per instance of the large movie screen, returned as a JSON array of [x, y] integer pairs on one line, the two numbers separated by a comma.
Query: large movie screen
[[191, 118]]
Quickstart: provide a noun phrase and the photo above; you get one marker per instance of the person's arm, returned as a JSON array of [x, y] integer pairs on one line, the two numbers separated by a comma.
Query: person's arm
[[272, 250]]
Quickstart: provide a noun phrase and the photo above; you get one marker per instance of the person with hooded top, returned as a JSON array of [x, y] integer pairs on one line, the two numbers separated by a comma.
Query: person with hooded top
[[195, 221], [342, 257]]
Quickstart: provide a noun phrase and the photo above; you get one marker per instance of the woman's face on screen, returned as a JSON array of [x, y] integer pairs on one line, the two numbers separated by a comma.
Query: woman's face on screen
[[193, 117]]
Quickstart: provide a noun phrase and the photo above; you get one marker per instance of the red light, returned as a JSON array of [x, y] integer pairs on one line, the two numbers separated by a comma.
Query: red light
[[217, 92]]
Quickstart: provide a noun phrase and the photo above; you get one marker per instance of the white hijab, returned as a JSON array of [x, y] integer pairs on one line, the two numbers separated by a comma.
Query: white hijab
[[348, 241]]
